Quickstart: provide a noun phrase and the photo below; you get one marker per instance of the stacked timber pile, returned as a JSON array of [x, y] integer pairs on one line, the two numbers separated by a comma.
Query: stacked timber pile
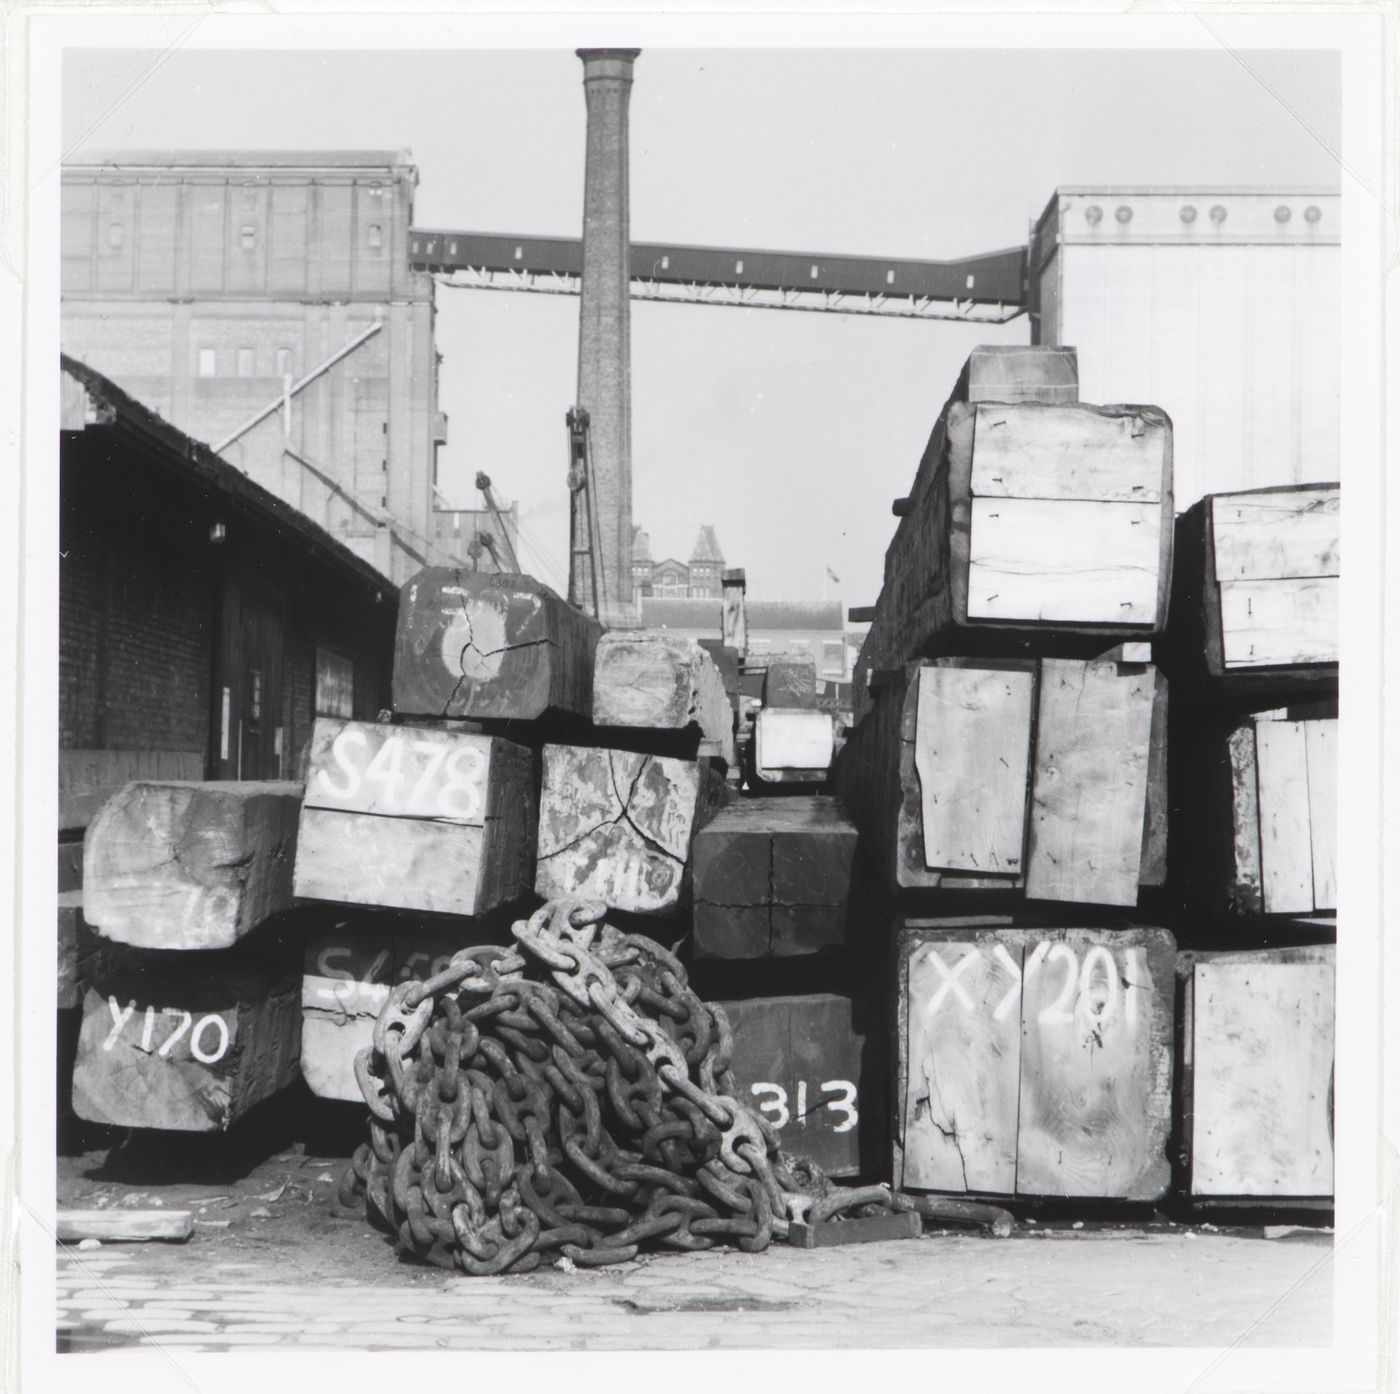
[[1254, 640], [190, 1015], [1007, 773], [996, 826]]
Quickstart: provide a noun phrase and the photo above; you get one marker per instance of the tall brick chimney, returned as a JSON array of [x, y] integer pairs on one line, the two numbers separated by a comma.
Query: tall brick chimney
[[604, 337]]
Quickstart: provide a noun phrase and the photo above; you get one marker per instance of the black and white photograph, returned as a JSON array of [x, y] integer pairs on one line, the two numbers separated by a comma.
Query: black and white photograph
[[693, 685]]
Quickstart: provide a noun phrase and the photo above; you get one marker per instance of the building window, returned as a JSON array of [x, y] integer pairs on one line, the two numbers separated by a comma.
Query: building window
[[245, 362], [116, 235], [833, 656], [248, 237], [208, 363], [284, 362], [376, 237], [335, 684]]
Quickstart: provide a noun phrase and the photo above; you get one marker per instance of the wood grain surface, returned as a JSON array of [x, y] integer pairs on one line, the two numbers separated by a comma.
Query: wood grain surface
[[190, 865]]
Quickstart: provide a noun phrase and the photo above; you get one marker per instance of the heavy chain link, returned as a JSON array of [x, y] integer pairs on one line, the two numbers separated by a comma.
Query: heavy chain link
[[570, 1096]]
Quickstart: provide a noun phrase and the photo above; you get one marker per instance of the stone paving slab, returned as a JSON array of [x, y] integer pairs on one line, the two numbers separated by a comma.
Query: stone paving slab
[[1118, 1289]]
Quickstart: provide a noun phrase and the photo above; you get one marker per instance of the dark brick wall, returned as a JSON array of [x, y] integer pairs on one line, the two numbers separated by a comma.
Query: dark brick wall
[[135, 616]]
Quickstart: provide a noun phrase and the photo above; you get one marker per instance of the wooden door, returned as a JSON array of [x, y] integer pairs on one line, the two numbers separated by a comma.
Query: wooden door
[[257, 688]]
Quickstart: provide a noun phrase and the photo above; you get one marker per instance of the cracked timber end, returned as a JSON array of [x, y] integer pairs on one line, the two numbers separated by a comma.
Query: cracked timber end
[[486, 646], [617, 826], [653, 680]]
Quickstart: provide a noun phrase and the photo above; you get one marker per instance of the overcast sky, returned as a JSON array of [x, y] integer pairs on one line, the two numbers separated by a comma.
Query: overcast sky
[[790, 433]]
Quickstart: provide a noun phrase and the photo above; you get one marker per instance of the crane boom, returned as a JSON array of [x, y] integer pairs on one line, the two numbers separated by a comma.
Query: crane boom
[[990, 288]]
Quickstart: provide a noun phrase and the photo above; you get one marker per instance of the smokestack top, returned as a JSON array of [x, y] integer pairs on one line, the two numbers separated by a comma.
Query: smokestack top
[[615, 63]]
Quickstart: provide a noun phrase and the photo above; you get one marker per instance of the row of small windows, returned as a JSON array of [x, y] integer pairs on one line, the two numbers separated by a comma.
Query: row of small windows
[[247, 236], [245, 360]]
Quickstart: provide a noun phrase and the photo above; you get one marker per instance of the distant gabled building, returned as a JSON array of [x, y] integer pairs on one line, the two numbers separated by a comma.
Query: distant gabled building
[[699, 578]]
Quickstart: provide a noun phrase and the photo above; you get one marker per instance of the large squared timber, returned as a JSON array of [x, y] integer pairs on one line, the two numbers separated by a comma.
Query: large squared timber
[[1258, 1048], [655, 681], [1033, 1062], [1032, 527], [814, 1068], [348, 971], [487, 646], [1045, 777], [1255, 597], [185, 1043], [773, 878], [617, 826], [190, 864], [415, 817]]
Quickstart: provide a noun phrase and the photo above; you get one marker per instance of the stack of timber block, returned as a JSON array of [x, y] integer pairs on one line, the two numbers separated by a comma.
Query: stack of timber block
[[530, 755], [190, 1017], [1254, 779], [1008, 777]]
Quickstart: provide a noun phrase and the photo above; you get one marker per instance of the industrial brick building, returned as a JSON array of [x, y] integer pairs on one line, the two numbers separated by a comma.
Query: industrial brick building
[[203, 623], [262, 302], [697, 579]]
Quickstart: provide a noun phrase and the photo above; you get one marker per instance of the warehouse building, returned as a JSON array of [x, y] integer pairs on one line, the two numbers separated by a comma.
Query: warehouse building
[[262, 302], [1220, 306], [203, 623]]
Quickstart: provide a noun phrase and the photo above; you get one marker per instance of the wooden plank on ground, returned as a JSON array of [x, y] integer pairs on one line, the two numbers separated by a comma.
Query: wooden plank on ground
[[660, 681], [972, 752], [1096, 1064], [811, 1067], [188, 1046], [1089, 790], [123, 1226], [617, 826], [1262, 1063], [177, 865], [857, 1230], [415, 817], [485, 645], [1285, 837], [1322, 810], [962, 1000]]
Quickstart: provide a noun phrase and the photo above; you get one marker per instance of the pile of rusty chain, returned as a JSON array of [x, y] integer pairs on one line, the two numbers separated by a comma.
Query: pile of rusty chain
[[568, 1097]]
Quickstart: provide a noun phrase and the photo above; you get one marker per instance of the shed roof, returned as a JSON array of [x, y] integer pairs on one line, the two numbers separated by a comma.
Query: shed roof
[[167, 447], [240, 159]]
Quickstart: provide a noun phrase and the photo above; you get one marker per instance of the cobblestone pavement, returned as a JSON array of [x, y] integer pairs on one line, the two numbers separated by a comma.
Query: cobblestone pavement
[[1041, 1287]]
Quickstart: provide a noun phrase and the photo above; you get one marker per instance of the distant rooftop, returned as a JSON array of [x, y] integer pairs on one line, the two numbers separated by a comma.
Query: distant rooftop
[[240, 159], [707, 546], [676, 612]]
